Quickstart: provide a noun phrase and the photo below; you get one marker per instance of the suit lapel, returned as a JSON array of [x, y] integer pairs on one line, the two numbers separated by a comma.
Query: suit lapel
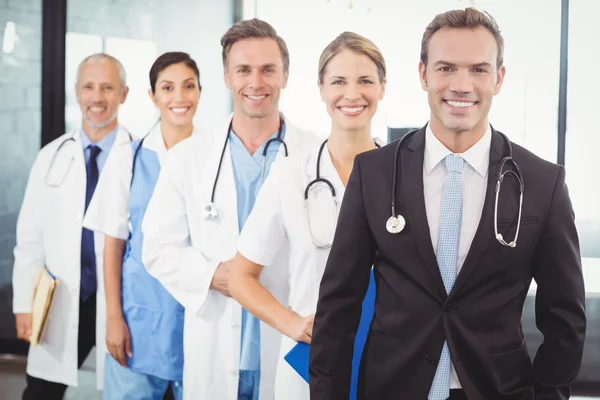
[[411, 158], [485, 230]]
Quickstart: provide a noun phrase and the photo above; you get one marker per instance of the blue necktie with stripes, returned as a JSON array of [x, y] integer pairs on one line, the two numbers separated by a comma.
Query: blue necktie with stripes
[[447, 258]]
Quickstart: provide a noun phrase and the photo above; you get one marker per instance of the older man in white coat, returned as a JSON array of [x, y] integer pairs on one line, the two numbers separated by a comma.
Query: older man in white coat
[[204, 194], [50, 235]]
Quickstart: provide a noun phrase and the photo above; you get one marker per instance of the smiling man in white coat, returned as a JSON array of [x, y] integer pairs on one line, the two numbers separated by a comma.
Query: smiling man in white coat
[[204, 194], [50, 235]]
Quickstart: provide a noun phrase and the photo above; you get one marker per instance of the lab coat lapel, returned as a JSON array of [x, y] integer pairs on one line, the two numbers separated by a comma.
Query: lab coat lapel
[[225, 194], [292, 139]]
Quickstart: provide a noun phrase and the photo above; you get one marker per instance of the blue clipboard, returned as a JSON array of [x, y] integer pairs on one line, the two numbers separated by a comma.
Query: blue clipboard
[[298, 356]]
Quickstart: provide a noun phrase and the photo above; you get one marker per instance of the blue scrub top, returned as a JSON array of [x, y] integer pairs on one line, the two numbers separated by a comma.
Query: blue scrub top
[[154, 317], [247, 172]]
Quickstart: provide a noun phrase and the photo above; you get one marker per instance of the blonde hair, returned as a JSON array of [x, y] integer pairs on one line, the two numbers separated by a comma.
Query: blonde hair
[[356, 43], [468, 18]]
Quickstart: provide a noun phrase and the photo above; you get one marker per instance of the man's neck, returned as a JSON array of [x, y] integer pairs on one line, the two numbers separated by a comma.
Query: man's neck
[[97, 134], [173, 134], [458, 141], [253, 132]]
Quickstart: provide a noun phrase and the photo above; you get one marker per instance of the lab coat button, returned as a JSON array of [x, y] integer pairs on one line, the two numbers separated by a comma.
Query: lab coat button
[[234, 372], [235, 325]]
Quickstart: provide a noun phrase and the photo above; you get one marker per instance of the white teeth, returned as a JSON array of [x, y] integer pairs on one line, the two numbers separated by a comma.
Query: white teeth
[[179, 110], [352, 110], [257, 97], [97, 109], [460, 104]]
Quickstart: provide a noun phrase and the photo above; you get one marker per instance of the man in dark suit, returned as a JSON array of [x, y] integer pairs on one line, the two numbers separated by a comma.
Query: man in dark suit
[[450, 289]]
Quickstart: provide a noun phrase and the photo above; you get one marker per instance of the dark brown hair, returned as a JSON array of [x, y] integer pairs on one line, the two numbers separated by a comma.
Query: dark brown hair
[[168, 59], [468, 18]]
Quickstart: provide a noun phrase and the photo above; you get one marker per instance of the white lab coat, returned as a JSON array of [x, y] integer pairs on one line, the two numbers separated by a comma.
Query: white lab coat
[[182, 250], [49, 234], [278, 220]]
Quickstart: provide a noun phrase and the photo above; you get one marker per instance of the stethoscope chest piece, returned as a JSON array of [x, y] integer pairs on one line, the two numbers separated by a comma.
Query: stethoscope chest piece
[[210, 211], [395, 224]]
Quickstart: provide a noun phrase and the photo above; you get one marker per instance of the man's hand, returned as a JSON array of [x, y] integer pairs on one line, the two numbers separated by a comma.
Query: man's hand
[[118, 340], [300, 328], [23, 322], [220, 280]]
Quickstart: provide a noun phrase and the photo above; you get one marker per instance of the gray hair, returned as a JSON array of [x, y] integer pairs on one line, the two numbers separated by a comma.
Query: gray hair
[[100, 58]]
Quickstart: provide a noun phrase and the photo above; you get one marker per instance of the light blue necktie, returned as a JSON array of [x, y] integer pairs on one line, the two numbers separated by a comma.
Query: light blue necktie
[[447, 258]]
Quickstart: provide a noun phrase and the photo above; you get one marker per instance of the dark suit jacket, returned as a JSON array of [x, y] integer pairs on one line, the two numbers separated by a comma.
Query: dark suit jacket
[[481, 317]]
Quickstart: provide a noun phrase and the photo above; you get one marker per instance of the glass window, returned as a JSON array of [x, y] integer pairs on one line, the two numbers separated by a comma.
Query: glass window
[[583, 170], [20, 121], [138, 32]]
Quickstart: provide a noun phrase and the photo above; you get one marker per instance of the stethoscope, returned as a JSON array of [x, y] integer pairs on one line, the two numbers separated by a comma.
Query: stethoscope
[[71, 138], [396, 223], [319, 178], [210, 210]]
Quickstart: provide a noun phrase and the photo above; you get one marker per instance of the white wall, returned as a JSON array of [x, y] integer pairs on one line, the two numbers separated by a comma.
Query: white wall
[[138, 31], [526, 109]]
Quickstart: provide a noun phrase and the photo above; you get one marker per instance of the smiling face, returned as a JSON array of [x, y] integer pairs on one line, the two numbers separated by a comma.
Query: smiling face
[[461, 79], [177, 94], [99, 94], [351, 89], [255, 75]]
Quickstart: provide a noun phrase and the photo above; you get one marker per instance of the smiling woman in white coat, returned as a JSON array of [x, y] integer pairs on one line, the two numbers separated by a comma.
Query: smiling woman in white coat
[[298, 205], [205, 191], [50, 234]]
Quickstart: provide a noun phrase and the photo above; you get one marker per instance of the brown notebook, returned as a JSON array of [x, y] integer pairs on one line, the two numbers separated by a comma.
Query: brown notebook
[[42, 298]]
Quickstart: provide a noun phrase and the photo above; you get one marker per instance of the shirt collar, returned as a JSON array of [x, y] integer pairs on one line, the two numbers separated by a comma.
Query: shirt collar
[[105, 143], [234, 140], [477, 156]]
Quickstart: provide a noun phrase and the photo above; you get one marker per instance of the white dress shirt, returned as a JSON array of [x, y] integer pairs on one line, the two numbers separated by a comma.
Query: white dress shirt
[[474, 183]]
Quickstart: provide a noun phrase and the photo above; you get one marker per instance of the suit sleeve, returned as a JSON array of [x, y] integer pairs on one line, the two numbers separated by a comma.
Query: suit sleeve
[[167, 252], [343, 288], [560, 299], [29, 251]]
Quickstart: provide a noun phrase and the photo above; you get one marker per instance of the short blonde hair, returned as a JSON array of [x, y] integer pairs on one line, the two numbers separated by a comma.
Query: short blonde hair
[[356, 43]]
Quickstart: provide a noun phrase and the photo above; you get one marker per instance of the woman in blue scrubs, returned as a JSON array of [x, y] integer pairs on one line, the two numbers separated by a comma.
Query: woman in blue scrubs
[[144, 332]]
